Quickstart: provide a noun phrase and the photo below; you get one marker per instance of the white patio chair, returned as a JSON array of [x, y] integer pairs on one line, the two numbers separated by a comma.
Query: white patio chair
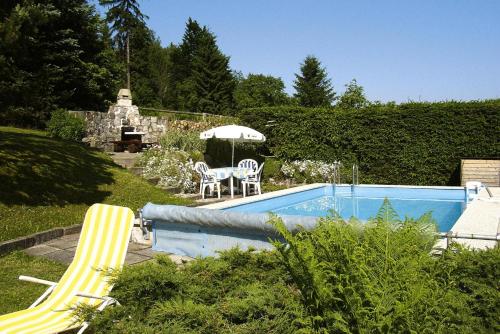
[[253, 179], [248, 164], [207, 179]]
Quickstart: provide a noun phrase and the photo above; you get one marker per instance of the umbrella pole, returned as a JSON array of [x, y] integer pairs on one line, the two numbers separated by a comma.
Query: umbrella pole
[[232, 156]]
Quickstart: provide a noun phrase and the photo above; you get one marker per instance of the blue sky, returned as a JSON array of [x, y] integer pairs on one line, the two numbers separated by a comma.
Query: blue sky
[[428, 50]]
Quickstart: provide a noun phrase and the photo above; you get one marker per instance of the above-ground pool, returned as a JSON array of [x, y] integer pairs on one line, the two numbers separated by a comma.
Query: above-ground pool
[[244, 222], [363, 202]]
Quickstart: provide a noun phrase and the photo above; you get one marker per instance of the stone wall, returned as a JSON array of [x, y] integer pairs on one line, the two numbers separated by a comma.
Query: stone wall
[[104, 128]]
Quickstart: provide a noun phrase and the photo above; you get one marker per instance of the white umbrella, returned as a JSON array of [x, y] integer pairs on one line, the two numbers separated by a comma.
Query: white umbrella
[[234, 133]]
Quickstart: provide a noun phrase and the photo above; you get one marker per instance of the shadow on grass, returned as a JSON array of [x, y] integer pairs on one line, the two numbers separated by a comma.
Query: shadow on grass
[[37, 170]]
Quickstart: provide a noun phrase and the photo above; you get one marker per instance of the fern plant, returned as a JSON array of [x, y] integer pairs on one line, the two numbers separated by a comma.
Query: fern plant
[[375, 277]]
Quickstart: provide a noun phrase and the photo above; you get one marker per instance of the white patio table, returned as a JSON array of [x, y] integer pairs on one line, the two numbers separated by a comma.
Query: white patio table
[[223, 173]]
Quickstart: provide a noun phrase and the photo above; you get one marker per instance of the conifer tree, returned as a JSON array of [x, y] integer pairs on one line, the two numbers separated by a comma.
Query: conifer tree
[[123, 15], [199, 78], [53, 54], [212, 81], [313, 88], [180, 83]]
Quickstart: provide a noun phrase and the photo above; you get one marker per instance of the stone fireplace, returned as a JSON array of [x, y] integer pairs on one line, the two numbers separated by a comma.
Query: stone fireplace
[[122, 123]]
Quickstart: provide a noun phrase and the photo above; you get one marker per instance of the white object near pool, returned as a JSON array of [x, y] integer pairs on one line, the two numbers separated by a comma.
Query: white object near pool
[[242, 222]]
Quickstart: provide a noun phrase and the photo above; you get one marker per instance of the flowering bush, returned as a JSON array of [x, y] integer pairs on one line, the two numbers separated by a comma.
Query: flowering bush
[[173, 168], [309, 170]]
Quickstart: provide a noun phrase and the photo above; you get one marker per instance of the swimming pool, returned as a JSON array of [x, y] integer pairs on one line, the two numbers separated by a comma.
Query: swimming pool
[[364, 201], [243, 222]]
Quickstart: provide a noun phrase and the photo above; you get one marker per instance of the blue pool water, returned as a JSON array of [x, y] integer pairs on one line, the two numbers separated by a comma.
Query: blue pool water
[[363, 202]]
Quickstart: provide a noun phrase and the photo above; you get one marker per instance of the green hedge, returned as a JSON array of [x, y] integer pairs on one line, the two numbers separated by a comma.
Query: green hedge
[[411, 143]]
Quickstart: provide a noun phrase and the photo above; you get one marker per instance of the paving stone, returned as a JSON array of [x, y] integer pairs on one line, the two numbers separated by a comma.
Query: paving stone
[[133, 258], [63, 250], [145, 252], [63, 243], [63, 256], [134, 247], [40, 250], [74, 236]]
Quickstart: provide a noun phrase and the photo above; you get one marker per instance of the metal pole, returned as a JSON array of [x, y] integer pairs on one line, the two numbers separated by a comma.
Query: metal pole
[[232, 156]]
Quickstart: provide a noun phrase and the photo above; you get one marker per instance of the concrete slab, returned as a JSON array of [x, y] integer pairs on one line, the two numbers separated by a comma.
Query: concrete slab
[[145, 252], [133, 258], [134, 247], [74, 237], [482, 217], [63, 250], [39, 250], [63, 243], [63, 256]]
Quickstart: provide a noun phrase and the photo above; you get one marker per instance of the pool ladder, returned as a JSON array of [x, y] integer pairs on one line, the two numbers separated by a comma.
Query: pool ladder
[[355, 181], [355, 174], [336, 173]]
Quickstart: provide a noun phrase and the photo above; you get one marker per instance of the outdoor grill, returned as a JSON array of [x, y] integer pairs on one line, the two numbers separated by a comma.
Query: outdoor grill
[[130, 140]]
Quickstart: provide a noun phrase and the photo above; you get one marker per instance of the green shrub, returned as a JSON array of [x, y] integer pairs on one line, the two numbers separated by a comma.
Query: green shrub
[[241, 292], [272, 169], [66, 126], [184, 140], [411, 143], [378, 277], [475, 275]]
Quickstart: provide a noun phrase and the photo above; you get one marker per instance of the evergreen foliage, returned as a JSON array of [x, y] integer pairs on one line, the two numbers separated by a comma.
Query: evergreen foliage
[[160, 62], [143, 66], [179, 83], [241, 292], [200, 79], [123, 15], [53, 54], [313, 88], [353, 97], [212, 81], [410, 143], [258, 90]]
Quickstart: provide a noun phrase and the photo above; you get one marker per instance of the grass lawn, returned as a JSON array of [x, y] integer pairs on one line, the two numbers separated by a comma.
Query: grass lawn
[[17, 295], [47, 183]]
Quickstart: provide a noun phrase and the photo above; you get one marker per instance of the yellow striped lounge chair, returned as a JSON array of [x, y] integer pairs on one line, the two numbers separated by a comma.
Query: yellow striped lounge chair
[[102, 246]]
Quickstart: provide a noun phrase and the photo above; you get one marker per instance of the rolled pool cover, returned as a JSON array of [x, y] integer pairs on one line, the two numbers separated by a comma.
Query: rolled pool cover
[[212, 218]]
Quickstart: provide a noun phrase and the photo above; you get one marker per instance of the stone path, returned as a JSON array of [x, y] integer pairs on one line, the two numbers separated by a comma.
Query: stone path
[[125, 159], [63, 250]]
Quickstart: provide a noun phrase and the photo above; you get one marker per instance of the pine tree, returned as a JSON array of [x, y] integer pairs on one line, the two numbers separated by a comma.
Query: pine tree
[[212, 81], [313, 88], [199, 78], [141, 62], [123, 15], [180, 83], [53, 54]]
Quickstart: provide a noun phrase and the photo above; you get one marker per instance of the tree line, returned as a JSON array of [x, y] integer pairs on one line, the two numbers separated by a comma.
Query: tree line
[[63, 54]]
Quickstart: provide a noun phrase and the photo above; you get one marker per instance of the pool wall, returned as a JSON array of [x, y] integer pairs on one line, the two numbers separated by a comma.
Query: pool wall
[[202, 232], [196, 241]]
